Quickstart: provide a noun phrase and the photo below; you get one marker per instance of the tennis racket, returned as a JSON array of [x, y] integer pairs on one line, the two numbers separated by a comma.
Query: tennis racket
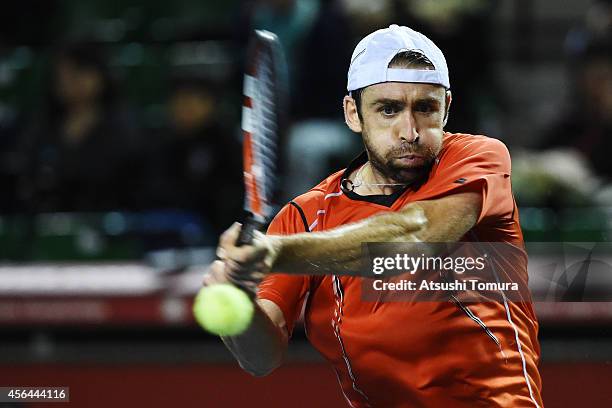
[[263, 119]]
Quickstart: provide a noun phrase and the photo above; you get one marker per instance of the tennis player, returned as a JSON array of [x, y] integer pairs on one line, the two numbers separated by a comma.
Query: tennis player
[[414, 183]]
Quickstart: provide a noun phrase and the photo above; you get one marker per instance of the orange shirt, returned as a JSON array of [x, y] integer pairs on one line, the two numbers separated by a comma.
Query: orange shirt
[[418, 354]]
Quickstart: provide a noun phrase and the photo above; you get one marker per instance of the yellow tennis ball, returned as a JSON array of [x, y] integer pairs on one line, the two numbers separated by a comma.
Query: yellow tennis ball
[[223, 309]]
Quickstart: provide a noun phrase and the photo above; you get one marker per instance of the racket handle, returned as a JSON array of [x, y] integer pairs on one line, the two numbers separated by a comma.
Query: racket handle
[[248, 230]]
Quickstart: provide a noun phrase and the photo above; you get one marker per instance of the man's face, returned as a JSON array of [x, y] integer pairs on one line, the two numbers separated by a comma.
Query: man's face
[[402, 128]]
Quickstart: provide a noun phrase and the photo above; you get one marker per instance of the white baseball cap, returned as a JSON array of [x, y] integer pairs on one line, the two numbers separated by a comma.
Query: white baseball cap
[[371, 58]]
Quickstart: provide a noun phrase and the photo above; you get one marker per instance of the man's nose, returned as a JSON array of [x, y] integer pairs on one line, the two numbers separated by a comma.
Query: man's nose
[[406, 128]]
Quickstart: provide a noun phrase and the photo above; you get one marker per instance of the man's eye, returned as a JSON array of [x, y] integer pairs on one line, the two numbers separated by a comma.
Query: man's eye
[[388, 110], [424, 108]]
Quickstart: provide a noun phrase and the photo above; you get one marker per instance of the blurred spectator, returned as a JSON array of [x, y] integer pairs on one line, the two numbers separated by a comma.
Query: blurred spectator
[[573, 167], [596, 27], [290, 20], [462, 30], [80, 148], [367, 16], [554, 178], [315, 36], [196, 162], [322, 60], [586, 123]]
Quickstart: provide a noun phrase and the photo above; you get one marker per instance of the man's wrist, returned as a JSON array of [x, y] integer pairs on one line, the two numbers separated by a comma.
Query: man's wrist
[[272, 245]]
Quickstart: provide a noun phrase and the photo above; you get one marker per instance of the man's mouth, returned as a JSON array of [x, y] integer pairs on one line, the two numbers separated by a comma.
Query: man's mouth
[[412, 160]]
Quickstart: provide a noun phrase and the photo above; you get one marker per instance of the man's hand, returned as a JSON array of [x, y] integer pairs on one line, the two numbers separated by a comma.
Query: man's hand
[[261, 348], [243, 266]]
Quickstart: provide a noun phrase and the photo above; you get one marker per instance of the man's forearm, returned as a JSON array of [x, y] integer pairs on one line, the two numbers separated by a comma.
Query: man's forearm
[[261, 348], [339, 251]]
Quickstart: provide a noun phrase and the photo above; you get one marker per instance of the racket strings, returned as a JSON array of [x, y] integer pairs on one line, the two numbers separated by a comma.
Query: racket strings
[[266, 128]]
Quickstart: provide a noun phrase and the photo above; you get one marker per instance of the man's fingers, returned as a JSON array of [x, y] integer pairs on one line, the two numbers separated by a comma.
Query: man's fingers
[[240, 266], [229, 237], [251, 287], [244, 254], [215, 274], [238, 271], [247, 284], [247, 276], [220, 253]]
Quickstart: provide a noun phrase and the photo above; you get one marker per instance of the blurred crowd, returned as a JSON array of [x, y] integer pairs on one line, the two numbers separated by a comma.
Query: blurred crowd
[[74, 140], [570, 165]]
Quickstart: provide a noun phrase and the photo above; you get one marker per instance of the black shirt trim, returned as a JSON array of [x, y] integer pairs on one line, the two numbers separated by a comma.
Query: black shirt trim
[[302, 215]]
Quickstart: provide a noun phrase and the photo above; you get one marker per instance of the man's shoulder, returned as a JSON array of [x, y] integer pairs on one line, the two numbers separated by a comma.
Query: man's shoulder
[[313, 197], [299, 214], [472, 143]]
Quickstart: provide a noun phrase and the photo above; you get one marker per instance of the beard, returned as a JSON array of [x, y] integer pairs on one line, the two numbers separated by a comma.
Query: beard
[[391, 165]]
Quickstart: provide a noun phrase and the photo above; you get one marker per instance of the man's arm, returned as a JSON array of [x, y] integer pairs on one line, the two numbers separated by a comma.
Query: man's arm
[[338, 251], [261, 348], [449, 218]]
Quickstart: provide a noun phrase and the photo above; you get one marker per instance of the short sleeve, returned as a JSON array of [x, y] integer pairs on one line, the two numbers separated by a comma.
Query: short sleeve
[[480, 164], [286, 291]]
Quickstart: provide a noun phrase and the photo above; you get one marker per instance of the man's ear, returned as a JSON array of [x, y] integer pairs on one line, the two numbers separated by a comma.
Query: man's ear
[[351, 117], [447, 99]]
